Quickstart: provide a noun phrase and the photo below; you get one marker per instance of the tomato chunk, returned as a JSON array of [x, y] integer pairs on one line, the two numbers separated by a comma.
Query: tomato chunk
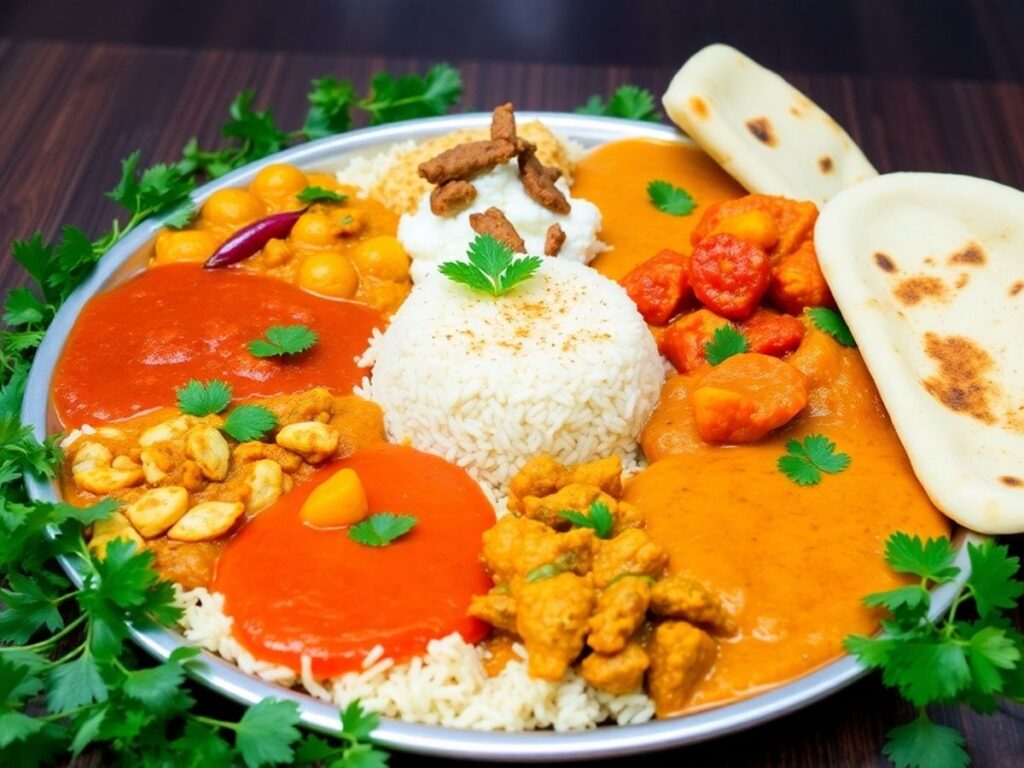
[[770, 333], [794, 218], [797, 282], [659, 286], [745, 397], [728, 275], [683, 342]]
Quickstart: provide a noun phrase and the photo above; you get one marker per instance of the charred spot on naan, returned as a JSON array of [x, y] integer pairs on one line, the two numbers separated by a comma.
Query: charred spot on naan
[[1017, 287], [914, 290], [761, 129], [699, 107], [972, 255], [1011, 481], [962, 383], [885, 262], [825, 164]]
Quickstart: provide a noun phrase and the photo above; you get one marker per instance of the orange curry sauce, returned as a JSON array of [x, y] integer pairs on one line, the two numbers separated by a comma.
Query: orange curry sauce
[[295, 590], [792, 563], [133, 346]]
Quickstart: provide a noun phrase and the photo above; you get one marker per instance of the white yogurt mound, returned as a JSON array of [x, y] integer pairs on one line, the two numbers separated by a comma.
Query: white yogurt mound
[[432, 240]]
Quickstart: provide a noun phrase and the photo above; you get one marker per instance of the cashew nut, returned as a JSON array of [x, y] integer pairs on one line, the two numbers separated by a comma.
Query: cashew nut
[[157, 510], [206, 521], [210, 451], [266, 484], [314, 441]]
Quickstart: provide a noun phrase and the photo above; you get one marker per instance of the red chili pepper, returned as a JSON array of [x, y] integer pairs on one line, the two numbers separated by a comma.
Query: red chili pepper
[[251, 238]]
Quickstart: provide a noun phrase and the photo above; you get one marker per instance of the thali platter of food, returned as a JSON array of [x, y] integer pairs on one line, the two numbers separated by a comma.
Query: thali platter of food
[[545, 435]]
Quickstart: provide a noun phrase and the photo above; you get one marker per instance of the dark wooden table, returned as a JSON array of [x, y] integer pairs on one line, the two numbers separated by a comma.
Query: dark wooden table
[[921, 85]]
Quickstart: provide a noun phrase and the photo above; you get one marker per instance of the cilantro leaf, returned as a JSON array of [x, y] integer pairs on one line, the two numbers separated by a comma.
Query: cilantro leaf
[[356, 722], [931, 560], [628, 101], [75, 684], [831, 322], [599, 519], [927, 669], [670, 199], [329, 101], [27, 609], [23, 308], [381, 529], [249, 422], [492, 267], [198, 399], [182, 216], [993, 583], [990, 651], [15, 726], [924, 744], [725, 343], [312, 195], [267, 731], [155, 687], [283, 340], [806, 460], [257, 130], [408, 97], [912, 597]]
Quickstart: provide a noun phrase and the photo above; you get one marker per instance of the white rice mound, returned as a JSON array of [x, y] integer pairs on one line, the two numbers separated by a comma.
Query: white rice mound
[[448, 686], [562, 365]]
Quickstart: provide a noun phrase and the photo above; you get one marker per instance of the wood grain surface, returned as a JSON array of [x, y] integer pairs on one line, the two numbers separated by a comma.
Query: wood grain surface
[[75, 103]]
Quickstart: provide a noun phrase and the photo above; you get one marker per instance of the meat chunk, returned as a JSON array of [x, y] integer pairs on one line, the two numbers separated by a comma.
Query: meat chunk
[[503, 124], [621, 610], [515, 546], [538, 182], [492, 222], [497, 608], [466, 161], [552, 620], [619, 673], [681, 657], [680, 597], [574, 497], [632, 552], [452, 197], [605, 473], [554, 239], [541, 476]]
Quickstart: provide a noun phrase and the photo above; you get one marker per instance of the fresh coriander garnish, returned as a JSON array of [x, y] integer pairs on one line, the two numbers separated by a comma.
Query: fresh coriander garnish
[[831, 322], [628, 101], [404, 98], [956, 658], [198, 399], [312, 195], [599, 519], [546, 571], [283, 340], [381, 529], [670, 199], [725, 342], [492, 267], [249, 422], [805, 460]]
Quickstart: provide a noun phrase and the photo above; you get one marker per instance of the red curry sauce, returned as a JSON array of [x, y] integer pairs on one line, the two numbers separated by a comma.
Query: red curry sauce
[[296, 590], [133, 346]]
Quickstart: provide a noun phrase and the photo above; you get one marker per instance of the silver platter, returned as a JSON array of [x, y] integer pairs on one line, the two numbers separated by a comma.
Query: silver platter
[[129, 257]]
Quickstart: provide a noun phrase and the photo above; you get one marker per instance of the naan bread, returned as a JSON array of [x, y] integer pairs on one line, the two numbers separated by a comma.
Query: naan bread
[[928, 270], [763, 131]]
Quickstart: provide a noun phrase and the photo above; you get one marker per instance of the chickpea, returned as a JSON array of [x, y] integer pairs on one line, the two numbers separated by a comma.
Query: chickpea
[[278, 181], [233, 207], [330, 274], [314, 229], [277, 252], [382, 257], [186, 245], [350, 221]]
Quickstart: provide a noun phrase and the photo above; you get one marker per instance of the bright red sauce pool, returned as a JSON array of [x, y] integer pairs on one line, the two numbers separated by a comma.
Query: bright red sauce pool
[[295, 590], [133, 346]]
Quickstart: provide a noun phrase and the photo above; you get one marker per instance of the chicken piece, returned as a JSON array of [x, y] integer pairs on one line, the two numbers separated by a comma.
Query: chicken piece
[[206, 520], [631, 552], [497, 608], [192, 476], [541, 476], [572, 497], [680, 597], [466, 160], [681, 657], [621, 610], [452, 197], [188, 563], [539, 181], [316, 404], [605, 473], [503, 123], [266, 482], [157, 509], [314, 441], [210, 451], [627, 516], [552, 620], [493, 223], [554, 239], [157, 462], [797, 282], [619, 673], [515, 546]]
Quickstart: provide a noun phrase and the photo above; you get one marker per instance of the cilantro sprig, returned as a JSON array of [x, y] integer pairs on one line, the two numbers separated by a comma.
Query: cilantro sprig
[[199, 399], [312, 195], [249, 422], [971, 657], [670, 199], [831, 322], [381, 529], [806, 459], [725, 342], [628, 101], [283, 340], [492, 267], [599, 519]]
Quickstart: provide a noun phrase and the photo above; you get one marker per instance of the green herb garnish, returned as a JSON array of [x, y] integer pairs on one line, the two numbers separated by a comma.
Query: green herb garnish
[[725, 342], [408, 97], [312, 195], [599, 519], [957, 658], [283, 340], [831, 322], [628, 101], [546, 571], [198, 399], [249, 422], [806, 460], [670, 199], [381, 529], [492, 267]]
